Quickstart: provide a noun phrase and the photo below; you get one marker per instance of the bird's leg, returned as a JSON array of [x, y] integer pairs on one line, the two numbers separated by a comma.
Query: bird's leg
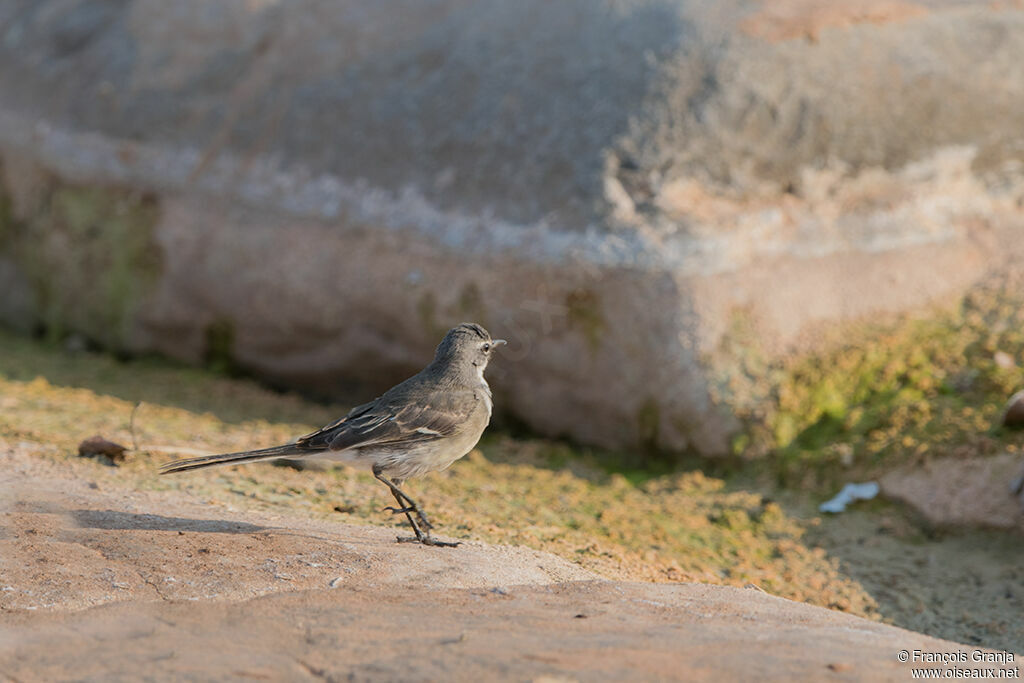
[[406, 503], [408, 506], [420, 535]]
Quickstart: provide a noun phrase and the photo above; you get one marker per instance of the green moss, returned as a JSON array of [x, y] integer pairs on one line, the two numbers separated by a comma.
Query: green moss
[[6, 214], [220, 343], [583, 309], [91, 257], [879, 393], [648, 421], [739, 444]]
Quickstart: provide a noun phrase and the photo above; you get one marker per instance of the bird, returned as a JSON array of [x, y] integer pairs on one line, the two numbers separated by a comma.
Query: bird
[[421, 425]]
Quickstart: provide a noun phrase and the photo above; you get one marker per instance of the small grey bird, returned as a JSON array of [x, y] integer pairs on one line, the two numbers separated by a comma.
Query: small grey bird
[[422, 425]]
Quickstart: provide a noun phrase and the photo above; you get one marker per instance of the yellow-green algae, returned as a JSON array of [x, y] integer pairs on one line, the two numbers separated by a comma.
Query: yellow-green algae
[[881, 393], [90, 255], [6, 214], [583, 308]]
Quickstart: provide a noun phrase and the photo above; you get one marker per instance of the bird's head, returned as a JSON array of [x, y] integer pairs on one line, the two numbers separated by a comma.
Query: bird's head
[[467, 347]]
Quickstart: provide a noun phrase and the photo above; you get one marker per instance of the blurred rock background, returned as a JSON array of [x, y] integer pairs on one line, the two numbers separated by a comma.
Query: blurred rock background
[[660, 204]]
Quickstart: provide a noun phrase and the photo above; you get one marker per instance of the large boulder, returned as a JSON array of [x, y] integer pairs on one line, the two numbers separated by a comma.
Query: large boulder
[[315, 190]]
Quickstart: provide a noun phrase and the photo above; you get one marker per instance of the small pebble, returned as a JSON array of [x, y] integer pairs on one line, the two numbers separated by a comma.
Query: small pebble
[[1013, 416]]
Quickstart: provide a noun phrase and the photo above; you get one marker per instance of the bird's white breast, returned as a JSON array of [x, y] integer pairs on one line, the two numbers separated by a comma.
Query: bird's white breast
[[484, 394]]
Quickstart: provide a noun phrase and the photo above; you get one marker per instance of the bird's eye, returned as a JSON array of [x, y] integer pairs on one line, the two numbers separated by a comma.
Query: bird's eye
[[487, 347]]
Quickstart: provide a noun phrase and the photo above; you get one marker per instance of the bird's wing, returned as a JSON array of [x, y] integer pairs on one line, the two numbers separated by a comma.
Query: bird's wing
[[384, 422]]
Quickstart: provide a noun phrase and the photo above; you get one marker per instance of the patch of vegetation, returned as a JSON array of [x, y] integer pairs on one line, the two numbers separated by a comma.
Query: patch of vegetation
[[158, 382], [6, 214], [219, 354], [885, 394], [91, 257], [648, 420], [583, 309]]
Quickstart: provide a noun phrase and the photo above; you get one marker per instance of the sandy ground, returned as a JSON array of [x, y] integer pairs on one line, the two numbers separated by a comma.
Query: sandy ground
[[99, 582], [948, 558]]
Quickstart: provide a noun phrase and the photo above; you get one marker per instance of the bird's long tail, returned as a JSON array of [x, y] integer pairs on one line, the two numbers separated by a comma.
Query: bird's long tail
[[233, 458]]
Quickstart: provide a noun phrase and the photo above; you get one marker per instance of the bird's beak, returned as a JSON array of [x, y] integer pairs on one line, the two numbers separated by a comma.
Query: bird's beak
[[499, 342]]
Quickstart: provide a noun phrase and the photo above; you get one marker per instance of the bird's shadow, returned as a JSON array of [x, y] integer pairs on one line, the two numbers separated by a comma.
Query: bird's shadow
[[128, 521], [114, 519]]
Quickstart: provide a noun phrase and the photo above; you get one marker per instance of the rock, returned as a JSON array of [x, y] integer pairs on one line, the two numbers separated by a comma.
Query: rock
[[166, 546], [959, 493], [98, 447], [314, 191], [118, 584], [1013, 415]]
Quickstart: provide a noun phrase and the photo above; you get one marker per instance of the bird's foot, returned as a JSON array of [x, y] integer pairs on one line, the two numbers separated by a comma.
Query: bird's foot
[[426, 539], [424, 522]]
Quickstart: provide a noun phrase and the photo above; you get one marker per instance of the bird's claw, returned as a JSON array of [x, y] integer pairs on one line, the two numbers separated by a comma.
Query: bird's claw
[[424, 522], [427, 540]]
